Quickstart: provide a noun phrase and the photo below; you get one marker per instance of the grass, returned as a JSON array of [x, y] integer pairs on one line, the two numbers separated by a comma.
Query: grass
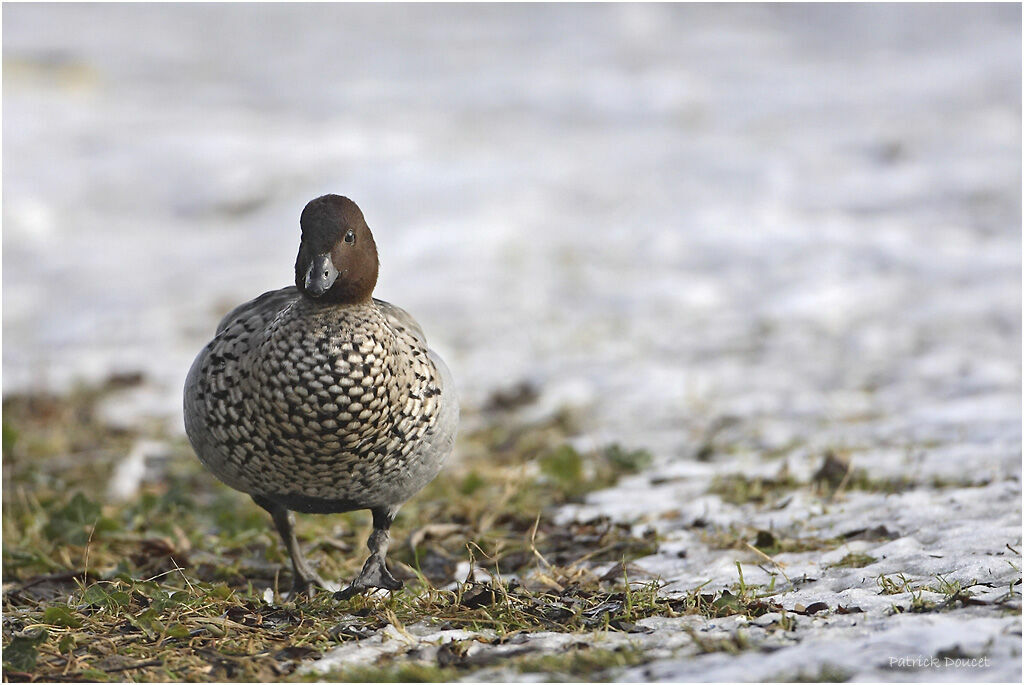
[[579, 662], [410, 672], [765, 543], [582, 662], [855, 560], [170, 584], [826, 673], [740, 489], [941, 594], [835, 476]]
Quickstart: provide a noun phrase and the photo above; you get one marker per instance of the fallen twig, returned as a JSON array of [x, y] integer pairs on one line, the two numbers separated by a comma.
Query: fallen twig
[[64, 576], [132, 667]]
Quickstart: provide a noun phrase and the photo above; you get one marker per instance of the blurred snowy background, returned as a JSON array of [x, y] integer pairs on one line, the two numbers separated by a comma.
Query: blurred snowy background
[[650, 211], [800, 225]]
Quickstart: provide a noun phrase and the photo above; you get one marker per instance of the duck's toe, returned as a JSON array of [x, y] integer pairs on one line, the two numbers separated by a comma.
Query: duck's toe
[[375, 575]]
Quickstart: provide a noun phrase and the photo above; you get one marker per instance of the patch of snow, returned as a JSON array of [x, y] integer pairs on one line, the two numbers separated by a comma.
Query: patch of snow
[[755, 233]]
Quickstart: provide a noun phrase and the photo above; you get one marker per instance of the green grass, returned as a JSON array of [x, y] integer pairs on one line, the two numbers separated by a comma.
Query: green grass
[[855, 560], [581, 662], [414, 672], [740, 489], [945, 594], [835, 476], [826, 673], [767, 543], [169, 585]]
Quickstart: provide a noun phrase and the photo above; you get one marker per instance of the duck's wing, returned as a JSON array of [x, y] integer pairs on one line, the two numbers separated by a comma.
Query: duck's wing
[[213, 386], [261, 311], [400, 318]]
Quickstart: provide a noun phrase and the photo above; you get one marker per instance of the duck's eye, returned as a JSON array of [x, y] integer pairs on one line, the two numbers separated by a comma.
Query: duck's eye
[[350, 237]]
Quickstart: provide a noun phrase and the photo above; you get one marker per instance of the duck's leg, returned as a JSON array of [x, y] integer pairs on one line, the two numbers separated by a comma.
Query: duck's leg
[[375, 573], [305, 579]]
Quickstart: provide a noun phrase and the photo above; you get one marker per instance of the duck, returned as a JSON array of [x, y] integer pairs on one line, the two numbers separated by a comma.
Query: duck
[[320, 398]]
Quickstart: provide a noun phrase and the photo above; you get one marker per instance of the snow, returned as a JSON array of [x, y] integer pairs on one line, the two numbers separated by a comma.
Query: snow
[[802, 220]]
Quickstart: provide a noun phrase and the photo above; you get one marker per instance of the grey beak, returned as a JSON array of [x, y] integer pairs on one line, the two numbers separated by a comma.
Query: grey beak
[[321, 275]]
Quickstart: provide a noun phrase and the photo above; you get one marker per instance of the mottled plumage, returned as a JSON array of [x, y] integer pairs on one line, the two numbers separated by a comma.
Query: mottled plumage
[[312, 402]]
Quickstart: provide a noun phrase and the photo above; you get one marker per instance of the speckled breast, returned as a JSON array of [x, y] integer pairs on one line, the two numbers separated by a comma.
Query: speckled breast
[[328, 402]]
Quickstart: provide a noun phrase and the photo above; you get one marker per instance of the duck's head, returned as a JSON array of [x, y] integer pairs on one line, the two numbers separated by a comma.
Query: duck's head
[[337, 260]]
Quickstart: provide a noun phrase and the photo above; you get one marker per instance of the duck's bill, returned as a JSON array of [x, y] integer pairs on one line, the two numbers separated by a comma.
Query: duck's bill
[[321, 275]]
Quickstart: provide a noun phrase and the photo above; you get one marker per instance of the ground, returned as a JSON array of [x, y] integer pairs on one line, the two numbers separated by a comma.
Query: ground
[[531, 564], [732, 297]]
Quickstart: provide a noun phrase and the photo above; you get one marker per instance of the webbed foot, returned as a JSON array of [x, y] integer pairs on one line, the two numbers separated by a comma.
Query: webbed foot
[[375, 575]]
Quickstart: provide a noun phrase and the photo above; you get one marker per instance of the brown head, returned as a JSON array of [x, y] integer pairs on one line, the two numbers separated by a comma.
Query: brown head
[[337, 260]]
